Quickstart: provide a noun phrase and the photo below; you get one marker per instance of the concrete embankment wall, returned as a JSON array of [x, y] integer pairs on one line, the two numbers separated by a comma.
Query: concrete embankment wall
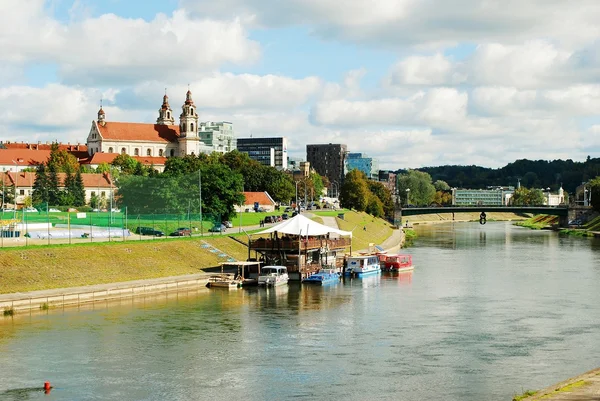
[[37, 300]]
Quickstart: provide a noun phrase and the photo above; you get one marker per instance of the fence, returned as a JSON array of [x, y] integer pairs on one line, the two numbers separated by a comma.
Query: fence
[[23, 228]]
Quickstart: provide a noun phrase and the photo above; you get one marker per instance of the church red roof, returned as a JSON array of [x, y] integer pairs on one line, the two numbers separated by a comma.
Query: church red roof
[[139, 132]]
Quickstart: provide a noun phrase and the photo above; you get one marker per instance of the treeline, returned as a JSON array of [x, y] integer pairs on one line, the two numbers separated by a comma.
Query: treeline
[[531, 174]]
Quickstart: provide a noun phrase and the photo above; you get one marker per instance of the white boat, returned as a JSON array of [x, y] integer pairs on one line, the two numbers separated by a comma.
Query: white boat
[[363, 265], [272, 276], [224, 280]]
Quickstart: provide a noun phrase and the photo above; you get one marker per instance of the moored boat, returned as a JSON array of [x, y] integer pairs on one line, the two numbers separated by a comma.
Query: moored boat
[[398, 263], [224, 280], [272, 276], [362, 265], [323, 277]]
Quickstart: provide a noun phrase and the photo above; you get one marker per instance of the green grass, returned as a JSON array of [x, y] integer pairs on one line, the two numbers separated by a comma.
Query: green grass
[[524, 395], [539, 222], [377, 230], [58, 266]]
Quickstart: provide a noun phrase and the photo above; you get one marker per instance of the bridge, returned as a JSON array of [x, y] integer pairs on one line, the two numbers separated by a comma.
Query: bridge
[[551, 210], [563, 212]]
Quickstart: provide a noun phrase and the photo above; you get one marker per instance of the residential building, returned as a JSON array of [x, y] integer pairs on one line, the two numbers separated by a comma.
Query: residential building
[[329, 160], [388, 179], [163, 139], [21, 159], [218, 136], [364, 163], [268, 151], [100, 185], [482, 197], [255, 200]]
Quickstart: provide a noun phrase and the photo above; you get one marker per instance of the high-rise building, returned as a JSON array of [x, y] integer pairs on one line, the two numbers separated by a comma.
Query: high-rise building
[[364, 163], [268, 151], [329, 160], [218, 135]]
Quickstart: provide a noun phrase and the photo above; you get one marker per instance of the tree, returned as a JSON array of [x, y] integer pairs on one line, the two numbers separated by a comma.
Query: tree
[[63, 161], [384, 195], [67, 197], [40, 185], [421, 189], [78, 190], [53, 193], [354, 193], [375, 206], [441, 185], [128, 165], [594, 187], [527, 197]]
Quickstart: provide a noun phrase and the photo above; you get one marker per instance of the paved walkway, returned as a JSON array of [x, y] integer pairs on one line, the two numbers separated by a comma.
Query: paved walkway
[[585, 387]]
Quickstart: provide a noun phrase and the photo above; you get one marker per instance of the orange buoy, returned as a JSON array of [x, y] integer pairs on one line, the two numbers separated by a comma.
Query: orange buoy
[[47, 386]]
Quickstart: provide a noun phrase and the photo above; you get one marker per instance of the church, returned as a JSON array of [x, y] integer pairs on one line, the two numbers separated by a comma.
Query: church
[[156, 142]]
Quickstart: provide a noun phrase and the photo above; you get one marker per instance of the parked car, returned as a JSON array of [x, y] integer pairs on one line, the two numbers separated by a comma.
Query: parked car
[[149, 231], [7, 210], [228, 224], [30, 210], [295, 213], [288, 209], [285, 216], [270, 219], [218, 228], [181, 232], [53, 210], [575, 222]]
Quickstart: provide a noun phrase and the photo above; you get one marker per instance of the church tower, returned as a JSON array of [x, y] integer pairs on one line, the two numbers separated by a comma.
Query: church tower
[[101, 117], [188, 127], [165, 114]]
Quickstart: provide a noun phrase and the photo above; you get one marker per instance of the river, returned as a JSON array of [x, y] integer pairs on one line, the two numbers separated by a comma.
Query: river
[[490, 311]]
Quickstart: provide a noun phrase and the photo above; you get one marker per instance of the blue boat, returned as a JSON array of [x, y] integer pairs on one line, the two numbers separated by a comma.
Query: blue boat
[[363, 265], [322, 277]]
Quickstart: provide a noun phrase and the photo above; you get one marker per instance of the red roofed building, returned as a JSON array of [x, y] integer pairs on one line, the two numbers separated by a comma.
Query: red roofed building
[[263, 199], [19, 159], [163, 139], [100, 185], [156, 162]]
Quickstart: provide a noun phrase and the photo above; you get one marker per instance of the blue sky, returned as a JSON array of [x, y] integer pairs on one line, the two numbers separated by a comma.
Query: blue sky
[[410, 83]]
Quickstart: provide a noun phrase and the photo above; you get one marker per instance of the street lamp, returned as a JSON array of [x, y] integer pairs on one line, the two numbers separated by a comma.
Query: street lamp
[[585, 197], [16, 186], [407, 196], [337, 187], [297, 206]]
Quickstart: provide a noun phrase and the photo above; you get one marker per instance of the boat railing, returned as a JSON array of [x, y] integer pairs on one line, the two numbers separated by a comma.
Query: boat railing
[[303, 244]]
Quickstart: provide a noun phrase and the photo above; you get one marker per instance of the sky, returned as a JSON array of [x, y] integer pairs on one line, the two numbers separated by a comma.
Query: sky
[[412, 83]]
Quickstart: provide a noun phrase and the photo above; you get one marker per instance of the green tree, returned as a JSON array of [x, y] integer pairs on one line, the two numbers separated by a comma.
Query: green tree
[[527, 197], [78, 190], [94, 201], [594, 187], [375, 206], [441, 185], [354, 193], [67, 197], [421, 190], [280, 187], [40, 185], [128, 165], [61, 160], [385, 197], [53, 191]]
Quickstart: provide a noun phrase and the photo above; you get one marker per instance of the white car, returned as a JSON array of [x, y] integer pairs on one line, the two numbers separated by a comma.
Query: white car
[[30, 210], [228, 224], [53, 210]]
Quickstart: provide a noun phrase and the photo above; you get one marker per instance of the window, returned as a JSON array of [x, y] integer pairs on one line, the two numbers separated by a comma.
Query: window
[[123, 151], [192, 127], [168, 114], [93, 193], [110, 150], [160, 152], [22, 192], [191, 110], [172, 152], [149, 152], [136, 152], [103, 194]]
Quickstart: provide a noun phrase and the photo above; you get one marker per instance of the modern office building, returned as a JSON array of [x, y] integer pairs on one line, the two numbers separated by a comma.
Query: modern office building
[[329, 160], [218, 136], [268, 151], [364, 163], [482, 197]]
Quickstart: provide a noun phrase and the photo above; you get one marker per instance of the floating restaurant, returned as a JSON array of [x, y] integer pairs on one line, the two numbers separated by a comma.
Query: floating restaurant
[[302, 245]]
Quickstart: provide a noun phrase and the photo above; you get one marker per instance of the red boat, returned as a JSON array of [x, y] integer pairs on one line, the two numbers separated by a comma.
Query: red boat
[[398, 263]]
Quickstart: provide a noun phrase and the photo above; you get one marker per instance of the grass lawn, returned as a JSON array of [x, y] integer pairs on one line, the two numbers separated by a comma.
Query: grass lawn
[[377, 230]]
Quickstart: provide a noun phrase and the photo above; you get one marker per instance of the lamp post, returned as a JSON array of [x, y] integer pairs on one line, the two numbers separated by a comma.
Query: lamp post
[[16, 185], [337, 187], [297, 206], [585, 197], [407, 196]]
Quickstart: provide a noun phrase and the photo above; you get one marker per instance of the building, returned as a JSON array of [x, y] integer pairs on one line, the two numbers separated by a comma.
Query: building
[[100, 185], [329, 160], [364, 163], [482, 197], [554, 199], [388, 179], [293, 163], [21, 159], [218, 137], [163, 139], [256, 199], [268, 151], [155, 162]]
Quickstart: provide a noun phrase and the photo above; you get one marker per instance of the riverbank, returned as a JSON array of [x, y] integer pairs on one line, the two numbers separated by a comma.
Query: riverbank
[[585, 387], [438, 218]]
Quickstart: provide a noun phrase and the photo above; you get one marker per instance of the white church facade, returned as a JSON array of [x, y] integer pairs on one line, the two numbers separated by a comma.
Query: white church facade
[[161, 140]]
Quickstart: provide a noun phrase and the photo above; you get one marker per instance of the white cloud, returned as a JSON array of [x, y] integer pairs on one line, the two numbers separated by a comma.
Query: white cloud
[[417, 22], [424, 70], [111, 48]]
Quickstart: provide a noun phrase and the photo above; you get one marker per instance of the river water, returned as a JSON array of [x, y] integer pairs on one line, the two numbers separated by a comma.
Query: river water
[[489, 311]]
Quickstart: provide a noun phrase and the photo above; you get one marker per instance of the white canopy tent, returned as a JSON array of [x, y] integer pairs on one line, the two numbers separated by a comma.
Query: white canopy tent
[[300, 225]]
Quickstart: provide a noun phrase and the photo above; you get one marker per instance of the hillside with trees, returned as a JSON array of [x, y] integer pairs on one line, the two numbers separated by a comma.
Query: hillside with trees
[[531, 174]]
